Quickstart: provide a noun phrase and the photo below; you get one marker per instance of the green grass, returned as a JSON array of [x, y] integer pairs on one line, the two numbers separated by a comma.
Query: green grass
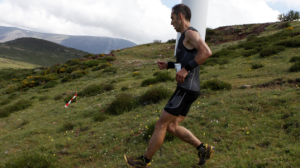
[[252, 127]]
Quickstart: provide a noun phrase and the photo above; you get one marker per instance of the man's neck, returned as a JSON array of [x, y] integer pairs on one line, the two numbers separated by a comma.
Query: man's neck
[[185, 26]]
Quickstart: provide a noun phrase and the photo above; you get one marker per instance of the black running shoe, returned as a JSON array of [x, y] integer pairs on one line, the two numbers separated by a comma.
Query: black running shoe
[[137, 162], [206, 155]]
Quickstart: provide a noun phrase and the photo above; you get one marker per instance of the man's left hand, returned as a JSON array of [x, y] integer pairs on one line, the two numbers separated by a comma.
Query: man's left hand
[[180, 75]]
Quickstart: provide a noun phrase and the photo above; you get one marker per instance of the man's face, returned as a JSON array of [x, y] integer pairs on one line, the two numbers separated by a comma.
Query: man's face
[[175, 22]]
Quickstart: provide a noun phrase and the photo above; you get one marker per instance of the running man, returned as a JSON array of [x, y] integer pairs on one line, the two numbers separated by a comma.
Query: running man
[[187, 91]]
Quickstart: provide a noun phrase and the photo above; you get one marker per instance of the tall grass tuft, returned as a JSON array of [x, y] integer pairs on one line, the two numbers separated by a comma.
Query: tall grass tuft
[[67, 126], [123, 103], [68, 98], [216, 85], [295, 59], [160, 77], [57, 97], [5, 102], [19, 105], [43, 98], [50, 84], [295, 67], [271, 50], [31, 160], [256, 66], [154, 95], [99, 116], [108, 87], [91, 90]]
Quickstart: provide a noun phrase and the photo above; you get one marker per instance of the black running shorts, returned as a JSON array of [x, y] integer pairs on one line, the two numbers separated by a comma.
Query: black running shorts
[[180, 102]]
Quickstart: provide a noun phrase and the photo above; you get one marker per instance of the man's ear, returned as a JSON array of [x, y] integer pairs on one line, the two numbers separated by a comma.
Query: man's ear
[[180, 16]]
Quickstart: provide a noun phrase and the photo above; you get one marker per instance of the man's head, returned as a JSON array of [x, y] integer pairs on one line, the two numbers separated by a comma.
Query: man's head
[[184, 10], [180, 14]]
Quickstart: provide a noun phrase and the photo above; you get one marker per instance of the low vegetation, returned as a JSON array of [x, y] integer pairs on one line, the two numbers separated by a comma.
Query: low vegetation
[[121, 97]]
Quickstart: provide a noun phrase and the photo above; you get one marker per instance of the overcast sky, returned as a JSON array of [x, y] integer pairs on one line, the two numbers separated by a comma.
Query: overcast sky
[[140, 21]]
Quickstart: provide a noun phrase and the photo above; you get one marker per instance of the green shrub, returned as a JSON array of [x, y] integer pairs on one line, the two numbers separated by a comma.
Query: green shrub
[[78, 74], [90, 63], [285, 25], [68, 98], [221, 53], [99, 116], [295, 59], [215, 61], [71, 69], [233, 47], [256, 66], [117, 80], [48, 77], [149, 131], [4, 112], [66, 78], [149, 81], [160, 77], [19, 105], [108, 87], [216, 85], [210, 31], [169, 41], [156, 73], [109, 58], [57, 97], [23, 123], [67, 126], [123, 88], [252, 37], [154, 95], [96, 68], [293, 42], [164, 77], [295, 67], [271, 50], [55, 68], [43, 98], [123, 103], [110, 69], [73, 62], [248, 53], [50, 84], [91, 90], [31, 160], [136, 74], [105, 65], [5, 102]]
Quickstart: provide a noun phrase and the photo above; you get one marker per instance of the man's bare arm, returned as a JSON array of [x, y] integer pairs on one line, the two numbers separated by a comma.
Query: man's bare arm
[[193, 38]]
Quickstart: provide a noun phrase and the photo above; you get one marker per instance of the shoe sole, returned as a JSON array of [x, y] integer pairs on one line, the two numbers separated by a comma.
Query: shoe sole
[[126, 161], [212, 153]]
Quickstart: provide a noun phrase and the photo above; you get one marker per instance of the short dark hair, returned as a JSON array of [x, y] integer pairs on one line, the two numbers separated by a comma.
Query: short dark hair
[[184, 10]]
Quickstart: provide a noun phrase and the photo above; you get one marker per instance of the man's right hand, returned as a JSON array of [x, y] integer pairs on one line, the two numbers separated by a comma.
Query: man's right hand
[[162, 64]]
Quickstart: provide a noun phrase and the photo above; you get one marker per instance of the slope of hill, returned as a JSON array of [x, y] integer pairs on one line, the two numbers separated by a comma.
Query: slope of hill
[[95, 45], [38, 52], [253, 123]]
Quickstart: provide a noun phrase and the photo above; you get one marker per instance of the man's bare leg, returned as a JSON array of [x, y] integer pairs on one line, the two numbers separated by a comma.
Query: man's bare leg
[[183, 133], [159, 133]]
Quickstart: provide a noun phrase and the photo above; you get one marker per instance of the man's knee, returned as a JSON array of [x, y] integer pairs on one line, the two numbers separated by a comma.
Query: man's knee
[[171, 128]]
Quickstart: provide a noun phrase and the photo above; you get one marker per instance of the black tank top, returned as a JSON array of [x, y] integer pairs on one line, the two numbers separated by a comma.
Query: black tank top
[[183, 56]]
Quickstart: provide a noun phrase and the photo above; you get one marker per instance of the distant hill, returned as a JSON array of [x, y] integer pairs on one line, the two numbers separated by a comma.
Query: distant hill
[[38, 51], [91, 44]]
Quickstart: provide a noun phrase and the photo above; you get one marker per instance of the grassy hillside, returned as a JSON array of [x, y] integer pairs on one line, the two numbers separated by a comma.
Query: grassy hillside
[[38, 52], [120, 98], [8, 63]]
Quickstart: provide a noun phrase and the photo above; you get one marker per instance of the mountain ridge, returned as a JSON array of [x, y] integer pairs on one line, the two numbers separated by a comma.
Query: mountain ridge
[[91, 44]]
